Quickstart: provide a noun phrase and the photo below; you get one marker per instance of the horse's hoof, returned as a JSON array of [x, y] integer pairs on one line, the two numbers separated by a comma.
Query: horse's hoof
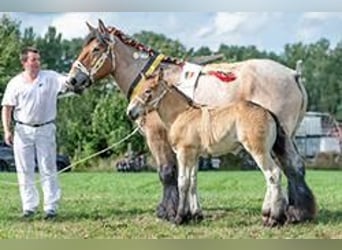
[[265, 220], [167, 209], [178, 220], [161, 212], [197, 217], [265, 216], [296, 215], [273, 221], [164, 213]]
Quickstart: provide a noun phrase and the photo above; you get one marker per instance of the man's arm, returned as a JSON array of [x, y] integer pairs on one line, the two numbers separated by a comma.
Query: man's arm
[[6, 114]]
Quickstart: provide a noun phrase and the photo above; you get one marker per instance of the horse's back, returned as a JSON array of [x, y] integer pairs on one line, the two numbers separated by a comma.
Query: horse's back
[[263, 81]]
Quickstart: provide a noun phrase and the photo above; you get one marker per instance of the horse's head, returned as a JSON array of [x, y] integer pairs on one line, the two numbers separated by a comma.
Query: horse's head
[[150, 92], [96, 60]]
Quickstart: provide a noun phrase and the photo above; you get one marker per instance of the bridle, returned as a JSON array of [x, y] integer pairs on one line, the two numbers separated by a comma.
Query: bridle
[[98, 62], [154, 103]]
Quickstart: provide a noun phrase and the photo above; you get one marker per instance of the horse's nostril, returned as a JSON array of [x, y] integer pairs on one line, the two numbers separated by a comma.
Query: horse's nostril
[[73, 81], [131, 115]]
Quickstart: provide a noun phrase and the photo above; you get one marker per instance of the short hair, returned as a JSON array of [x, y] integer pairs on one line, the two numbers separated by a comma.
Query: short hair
[[25, 51]]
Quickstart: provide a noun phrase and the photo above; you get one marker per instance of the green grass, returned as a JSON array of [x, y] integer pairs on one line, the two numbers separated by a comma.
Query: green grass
[[117, 205]]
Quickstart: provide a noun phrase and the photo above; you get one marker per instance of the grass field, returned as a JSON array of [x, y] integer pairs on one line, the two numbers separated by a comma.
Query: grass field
[[122, 205]]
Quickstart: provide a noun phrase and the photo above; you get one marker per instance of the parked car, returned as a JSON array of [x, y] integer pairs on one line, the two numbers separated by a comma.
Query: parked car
[[7, 160]]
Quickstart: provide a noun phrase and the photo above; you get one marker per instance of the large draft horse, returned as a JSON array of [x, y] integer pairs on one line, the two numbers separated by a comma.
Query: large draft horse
[[198, 130], [108, 51]]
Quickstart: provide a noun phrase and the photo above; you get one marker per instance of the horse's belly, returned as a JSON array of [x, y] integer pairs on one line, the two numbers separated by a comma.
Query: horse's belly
[[229, 145]]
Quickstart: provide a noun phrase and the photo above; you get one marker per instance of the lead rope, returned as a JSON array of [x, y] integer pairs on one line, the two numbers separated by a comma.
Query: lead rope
[[82, 160]]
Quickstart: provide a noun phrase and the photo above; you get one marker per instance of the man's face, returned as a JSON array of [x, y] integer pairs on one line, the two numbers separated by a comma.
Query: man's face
[[32, 64]]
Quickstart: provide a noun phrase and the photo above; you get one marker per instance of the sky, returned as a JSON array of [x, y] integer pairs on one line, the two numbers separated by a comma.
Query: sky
[[268, 31]]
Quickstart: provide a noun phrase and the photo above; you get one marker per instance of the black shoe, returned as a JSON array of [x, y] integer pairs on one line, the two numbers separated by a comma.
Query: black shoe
[[50, 215], [28, 214]]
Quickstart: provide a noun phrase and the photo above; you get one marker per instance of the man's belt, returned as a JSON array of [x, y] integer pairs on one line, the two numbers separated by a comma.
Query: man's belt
[[35, 125]]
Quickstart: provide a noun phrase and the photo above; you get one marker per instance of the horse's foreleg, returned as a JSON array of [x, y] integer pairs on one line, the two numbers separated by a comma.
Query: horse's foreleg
[[156, 136], [167, 208], [183, 189], [302, 204], [195, 208]]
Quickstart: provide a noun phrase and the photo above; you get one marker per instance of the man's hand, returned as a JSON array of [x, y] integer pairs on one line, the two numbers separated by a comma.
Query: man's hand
[[6, 115], [8, 137]]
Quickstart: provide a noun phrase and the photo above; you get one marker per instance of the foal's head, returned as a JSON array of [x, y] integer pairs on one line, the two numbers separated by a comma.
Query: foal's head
[[149, 92], [96, 60]]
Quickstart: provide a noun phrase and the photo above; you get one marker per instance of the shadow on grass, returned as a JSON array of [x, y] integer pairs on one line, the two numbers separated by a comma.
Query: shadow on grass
[[74, 215], [236, 215], [325, 216], [104, 214], [242, 215]]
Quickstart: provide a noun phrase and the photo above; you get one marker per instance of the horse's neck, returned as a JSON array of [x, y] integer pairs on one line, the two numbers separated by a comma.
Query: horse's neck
[[171, 106], [127, 67]]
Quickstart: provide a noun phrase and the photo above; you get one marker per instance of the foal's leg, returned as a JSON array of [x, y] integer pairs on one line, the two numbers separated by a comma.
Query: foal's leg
[[157, 140], [302, 204], [275, 202], [195, 208], [184, 172]]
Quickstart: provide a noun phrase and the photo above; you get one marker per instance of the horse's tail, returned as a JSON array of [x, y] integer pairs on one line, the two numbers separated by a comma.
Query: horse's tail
[[300, 84], [279, 144]]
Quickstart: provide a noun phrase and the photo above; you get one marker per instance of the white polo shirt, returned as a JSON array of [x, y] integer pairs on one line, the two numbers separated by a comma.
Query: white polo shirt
[[34, 103]]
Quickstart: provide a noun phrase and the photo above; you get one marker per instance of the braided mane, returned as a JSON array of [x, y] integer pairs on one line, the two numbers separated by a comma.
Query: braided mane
[[132, 43]]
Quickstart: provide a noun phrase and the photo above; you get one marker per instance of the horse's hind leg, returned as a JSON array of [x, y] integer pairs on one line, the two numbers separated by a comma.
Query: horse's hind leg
[[275, 202], [302, 205], [156, 136]]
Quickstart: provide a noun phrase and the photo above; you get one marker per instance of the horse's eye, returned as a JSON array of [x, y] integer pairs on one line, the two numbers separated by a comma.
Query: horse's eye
[[148, 92], [96, 49]]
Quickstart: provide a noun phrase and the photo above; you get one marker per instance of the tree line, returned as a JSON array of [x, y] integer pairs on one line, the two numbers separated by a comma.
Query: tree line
[[95, 120]]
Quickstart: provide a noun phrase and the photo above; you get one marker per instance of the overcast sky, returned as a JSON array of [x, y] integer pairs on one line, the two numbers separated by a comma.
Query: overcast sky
[[267, 30]]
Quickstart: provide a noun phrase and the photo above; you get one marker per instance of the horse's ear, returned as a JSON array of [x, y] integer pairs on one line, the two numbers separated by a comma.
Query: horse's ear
[[91, 28], [143, 77], [102, 27], [160, 74]]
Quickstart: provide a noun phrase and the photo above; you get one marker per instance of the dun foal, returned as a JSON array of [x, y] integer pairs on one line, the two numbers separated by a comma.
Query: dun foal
[[197, 130]]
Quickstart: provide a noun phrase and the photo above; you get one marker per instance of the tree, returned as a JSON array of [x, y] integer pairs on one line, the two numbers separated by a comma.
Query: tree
[[235, 53], [29, 38], [51, 49], [203, 51], [9, 50], [161, 43]]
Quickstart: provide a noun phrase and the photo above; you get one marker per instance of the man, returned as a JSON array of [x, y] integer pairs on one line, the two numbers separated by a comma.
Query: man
[[31, 99]]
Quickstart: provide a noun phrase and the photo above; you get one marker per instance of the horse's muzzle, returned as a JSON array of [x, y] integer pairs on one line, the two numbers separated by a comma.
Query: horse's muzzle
[[132, 114], [78, 83]]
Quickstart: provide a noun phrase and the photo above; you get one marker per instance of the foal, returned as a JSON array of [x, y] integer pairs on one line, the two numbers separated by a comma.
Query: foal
[[197, 130]]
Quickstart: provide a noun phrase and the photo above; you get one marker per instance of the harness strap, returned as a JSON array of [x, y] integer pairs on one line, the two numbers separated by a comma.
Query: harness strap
[[148, 69]]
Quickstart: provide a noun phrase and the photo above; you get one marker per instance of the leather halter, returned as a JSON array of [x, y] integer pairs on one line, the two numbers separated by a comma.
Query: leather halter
[[98, 63], [154, 103]]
